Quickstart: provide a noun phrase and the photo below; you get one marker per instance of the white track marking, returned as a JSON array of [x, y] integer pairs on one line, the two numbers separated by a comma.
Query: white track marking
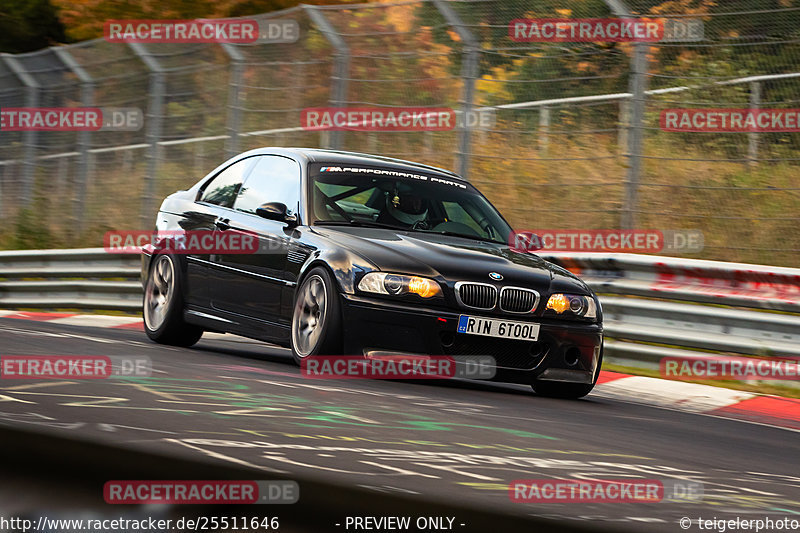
[[217, 455], [34, 333], [100, 321]]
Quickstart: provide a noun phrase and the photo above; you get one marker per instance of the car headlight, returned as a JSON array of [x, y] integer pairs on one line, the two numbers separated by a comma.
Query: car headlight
[[399, 285], [571, 305]]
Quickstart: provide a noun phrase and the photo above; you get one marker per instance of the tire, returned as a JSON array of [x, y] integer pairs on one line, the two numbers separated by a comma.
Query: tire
[[317, 317], [571, 391], [162, 309]]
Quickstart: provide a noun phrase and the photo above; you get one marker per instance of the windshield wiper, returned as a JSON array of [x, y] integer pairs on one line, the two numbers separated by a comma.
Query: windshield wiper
[[358, 223], [463, 236]]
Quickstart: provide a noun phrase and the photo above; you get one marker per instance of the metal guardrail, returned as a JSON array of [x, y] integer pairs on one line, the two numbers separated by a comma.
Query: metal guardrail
[[653, 306], [82, 278]]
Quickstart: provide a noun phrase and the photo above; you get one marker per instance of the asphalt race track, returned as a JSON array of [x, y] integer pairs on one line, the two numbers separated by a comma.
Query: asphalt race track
[[230, 399]]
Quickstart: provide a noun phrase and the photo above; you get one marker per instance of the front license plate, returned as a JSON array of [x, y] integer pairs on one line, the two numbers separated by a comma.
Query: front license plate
[[494, 327]]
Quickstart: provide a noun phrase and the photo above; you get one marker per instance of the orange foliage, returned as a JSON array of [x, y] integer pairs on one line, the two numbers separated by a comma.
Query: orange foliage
[[84, 19]]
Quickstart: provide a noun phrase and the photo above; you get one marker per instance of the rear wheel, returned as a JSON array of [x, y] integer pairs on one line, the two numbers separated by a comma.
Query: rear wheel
[[163, 305], [555, 389], [316, 320]]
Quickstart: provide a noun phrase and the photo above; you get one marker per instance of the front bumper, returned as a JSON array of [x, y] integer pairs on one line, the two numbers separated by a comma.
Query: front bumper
[[567, 352]]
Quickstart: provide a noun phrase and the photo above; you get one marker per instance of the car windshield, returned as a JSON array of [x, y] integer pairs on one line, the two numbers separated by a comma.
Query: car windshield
[[397, 198]]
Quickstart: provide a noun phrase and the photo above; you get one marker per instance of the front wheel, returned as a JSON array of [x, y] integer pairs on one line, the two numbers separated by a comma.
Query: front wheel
[[163, 305], [316, 320]]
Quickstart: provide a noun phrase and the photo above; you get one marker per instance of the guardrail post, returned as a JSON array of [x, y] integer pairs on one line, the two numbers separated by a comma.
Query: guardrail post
[[341, 71], [84, 142], [29, 138], [234, 98], [469, 73], [752, 137], [154, 126], [638, 86]]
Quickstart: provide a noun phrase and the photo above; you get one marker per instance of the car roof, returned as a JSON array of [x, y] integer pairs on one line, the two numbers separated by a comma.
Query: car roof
[[313, 155]]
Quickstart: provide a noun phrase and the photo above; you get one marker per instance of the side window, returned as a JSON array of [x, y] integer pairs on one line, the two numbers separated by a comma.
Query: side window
[[225, 186], [273, 179]]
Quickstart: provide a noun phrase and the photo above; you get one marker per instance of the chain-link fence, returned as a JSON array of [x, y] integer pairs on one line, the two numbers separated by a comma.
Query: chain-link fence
[[576, 140]]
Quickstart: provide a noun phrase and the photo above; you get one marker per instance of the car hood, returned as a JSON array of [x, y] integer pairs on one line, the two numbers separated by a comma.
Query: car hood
[[452, 258]]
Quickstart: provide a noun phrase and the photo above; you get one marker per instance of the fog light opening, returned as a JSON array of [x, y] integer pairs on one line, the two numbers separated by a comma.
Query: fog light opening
[[539, 349], [448, 338], [572, 356]]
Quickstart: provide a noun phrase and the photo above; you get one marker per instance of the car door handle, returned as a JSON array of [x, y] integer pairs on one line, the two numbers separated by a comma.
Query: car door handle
[[222, 224]]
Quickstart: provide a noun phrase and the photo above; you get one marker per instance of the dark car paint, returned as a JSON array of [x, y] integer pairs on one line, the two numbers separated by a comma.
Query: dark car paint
[[253, 295]]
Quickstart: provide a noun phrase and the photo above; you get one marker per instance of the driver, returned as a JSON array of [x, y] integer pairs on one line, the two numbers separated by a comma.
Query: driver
[[404, 208]]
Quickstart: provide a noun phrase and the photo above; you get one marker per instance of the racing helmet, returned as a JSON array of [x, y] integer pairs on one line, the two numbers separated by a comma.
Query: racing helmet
[[406, 205]]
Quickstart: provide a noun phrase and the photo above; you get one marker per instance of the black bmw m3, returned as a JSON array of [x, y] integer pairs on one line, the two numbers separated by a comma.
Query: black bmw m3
[[366, 255]]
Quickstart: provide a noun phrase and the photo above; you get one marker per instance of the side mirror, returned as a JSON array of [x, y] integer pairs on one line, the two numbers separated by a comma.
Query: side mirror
[[276, 211], [525, 241]]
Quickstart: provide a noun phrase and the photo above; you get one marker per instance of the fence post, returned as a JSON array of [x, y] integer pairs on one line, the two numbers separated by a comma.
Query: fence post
[[29, 138], [341, 71], [199, 159], [234, 99], [469, 72], [4, 178], [62, 169], [428, 142], [623, 125], [544, 129], [638, 87], [84, 142], [155, 117], [752, 137]]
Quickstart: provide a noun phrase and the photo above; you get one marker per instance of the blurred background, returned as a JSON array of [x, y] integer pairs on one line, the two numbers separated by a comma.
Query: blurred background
[[575, 143]]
